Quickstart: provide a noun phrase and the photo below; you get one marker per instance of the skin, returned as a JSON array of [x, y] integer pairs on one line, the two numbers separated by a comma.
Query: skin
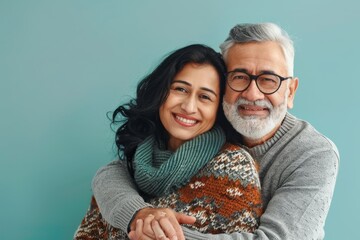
[[152, 223], [189, 110], [255, 58]]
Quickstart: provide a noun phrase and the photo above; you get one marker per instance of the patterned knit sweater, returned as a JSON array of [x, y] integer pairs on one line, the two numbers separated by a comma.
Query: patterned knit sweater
[[224, 196], [297, 168]]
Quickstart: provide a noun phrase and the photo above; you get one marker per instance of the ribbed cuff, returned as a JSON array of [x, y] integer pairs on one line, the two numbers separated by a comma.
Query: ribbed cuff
[[123, 217]]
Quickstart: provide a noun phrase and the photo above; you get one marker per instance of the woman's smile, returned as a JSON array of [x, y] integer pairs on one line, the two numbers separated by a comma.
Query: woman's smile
[[185, 120]]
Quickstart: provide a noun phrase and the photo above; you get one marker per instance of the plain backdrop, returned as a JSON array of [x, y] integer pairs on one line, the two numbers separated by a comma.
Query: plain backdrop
[[65, 64]]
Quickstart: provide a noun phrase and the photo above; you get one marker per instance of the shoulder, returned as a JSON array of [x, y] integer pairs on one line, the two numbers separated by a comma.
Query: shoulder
[[305, 136], [304, 145]]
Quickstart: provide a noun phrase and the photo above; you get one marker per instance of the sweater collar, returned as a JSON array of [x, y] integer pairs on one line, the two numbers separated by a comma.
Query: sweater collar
[[286, 125]]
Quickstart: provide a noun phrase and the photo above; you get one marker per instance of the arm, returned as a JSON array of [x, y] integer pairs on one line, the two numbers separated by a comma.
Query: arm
[[116, 195], [299, 205], [297, 210], [120, 204]]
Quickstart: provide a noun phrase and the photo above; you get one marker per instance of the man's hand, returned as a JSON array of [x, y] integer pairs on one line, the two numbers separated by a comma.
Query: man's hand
[[158, 223]]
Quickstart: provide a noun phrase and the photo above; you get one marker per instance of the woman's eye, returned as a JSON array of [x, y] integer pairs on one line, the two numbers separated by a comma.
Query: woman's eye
[[180, 89], [205, 97]]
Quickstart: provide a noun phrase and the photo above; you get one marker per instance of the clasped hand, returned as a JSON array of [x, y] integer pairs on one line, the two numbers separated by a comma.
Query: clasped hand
[[158, 223]]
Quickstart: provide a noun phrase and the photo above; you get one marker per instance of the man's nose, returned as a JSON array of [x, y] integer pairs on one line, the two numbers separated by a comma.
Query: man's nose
[[252, 93]]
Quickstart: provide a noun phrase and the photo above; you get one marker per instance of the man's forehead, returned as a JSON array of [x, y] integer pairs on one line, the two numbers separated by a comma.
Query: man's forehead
[[256, 48], [264, 56]]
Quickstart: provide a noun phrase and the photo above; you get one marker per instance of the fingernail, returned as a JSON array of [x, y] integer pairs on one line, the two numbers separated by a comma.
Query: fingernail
[[174, 238]]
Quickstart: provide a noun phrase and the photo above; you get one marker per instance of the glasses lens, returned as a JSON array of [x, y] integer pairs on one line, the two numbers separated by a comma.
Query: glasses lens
[[238, 80], [268, 83]]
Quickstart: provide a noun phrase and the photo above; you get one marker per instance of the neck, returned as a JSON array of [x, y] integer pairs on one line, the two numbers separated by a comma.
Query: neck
[[174, 144]]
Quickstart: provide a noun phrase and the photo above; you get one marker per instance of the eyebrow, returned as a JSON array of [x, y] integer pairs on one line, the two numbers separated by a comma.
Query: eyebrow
[[188, 84], [246, 71]]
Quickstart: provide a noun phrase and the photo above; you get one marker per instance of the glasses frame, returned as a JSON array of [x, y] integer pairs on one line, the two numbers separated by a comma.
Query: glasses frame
[[255, 78]]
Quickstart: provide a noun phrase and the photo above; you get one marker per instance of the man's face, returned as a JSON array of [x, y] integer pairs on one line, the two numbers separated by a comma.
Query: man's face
[[253, 114]]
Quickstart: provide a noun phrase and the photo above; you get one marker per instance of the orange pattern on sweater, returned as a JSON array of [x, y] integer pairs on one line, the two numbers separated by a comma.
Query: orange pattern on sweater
[[225, 196]]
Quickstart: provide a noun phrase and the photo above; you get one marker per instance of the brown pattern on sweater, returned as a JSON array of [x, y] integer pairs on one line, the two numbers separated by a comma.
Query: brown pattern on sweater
[[224, 197], [94, 227]]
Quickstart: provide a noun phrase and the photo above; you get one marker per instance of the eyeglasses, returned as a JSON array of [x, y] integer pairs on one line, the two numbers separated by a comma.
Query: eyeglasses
[[267, 83]]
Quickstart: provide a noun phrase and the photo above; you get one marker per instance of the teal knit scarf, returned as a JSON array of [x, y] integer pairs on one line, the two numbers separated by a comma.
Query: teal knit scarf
[[157, 172]]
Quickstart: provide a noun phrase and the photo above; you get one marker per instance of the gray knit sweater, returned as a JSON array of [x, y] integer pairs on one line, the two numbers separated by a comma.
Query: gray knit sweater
[[298, 169]]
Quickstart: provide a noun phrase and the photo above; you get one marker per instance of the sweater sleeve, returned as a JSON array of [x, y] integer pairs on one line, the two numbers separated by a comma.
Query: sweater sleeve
[[116, 194], [297, 210], [299, 204]]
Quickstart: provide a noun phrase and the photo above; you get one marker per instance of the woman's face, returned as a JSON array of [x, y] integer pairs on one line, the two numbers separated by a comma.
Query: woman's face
[[191, 106]]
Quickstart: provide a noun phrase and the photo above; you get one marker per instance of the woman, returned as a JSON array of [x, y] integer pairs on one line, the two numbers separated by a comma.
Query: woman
[[174, 149]]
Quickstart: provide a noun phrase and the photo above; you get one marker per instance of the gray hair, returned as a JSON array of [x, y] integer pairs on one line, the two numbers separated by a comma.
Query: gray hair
[[261, 32]]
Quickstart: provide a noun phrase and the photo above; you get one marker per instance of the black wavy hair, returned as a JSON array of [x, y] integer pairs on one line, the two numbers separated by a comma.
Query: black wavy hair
[[140, 116]]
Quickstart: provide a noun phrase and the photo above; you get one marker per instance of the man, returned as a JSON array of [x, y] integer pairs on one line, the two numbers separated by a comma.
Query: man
[[298, 165]]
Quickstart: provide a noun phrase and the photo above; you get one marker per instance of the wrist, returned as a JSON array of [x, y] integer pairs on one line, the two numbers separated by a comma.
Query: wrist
[[136, 216]]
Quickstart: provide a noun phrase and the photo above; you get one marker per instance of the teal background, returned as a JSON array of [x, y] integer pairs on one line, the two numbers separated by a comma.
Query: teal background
[[65, 64]]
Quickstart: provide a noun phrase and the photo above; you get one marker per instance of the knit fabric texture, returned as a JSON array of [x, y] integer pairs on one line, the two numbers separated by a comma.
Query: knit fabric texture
[[94, 227], [297, 168], [159, 171], [224, 197]]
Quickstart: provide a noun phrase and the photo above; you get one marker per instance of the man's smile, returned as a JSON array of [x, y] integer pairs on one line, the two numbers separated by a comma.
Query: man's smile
[[250, 110]]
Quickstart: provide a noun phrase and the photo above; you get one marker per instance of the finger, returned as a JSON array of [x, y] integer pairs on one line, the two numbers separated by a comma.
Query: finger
[[132, 235], [162, 214], [172, 224], [139, 228], [185, 219], [141, 214], [147, 229], [177, 228], [181, 218], [168, 228], [159, 233]]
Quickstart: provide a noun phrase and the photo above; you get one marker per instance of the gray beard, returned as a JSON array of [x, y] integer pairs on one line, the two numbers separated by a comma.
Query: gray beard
[[254, 127]]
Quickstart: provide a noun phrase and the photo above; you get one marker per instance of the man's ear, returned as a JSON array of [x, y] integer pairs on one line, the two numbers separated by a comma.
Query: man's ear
[[293, 85]]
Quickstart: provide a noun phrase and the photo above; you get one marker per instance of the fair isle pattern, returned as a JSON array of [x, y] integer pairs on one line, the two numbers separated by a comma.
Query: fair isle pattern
[[224, 196], [94, 227]]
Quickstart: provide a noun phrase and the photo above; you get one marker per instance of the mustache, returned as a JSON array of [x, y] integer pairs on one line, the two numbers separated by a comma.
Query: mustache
[[260, 103]]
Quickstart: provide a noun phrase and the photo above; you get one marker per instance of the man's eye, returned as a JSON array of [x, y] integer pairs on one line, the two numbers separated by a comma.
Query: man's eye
[[239, 77], [268, 80]]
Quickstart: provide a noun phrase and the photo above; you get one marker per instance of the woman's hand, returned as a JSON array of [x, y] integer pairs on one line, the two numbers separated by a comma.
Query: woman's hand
[[158, 223]]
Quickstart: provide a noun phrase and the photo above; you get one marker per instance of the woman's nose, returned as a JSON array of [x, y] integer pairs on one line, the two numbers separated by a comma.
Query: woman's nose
[[189, 105]]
